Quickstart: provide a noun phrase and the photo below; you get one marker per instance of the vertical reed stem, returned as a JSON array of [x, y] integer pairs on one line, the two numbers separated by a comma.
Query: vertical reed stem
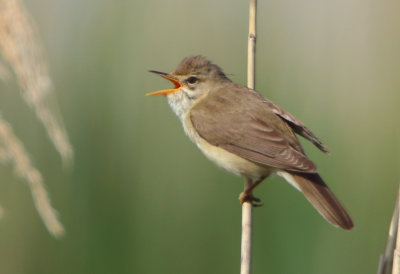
[[389, 262], [247, 229], [247, 208], [251, 47]]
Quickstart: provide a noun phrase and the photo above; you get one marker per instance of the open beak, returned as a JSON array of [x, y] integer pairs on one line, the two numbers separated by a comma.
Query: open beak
[[167, 76]]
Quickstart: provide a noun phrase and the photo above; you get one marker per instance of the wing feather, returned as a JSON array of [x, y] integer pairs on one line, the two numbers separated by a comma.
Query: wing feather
[[264, 138], [297, 125]]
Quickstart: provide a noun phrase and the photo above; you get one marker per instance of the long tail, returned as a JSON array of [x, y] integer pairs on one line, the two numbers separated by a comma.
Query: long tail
[[321, 197]]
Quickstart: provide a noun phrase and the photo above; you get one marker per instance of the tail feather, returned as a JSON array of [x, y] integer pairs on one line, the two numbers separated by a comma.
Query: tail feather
[[322, 198]]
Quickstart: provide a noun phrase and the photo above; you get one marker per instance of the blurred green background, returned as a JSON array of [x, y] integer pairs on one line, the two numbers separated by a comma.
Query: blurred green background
[[141, 198]]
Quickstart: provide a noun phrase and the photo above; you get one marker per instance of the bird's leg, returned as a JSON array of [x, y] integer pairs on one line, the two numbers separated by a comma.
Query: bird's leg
[[247, 194]]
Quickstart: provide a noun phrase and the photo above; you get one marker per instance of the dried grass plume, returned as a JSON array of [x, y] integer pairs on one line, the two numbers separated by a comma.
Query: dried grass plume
[[21, 49], [12, 150], [23, 54]]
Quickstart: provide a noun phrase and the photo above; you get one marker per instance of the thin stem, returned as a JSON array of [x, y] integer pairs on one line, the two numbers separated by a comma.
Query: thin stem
[[247, 207], [251, 47], [389, 261], [247, 229], [396, 252]]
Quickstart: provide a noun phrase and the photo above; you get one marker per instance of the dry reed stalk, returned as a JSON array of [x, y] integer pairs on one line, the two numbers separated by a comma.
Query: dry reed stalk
[[21, 49], [247, 233], [13, 151], [251, 46], [389, 262], [247, 207]]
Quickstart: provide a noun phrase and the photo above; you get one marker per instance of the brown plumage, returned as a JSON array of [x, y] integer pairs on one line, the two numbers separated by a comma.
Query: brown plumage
[[247, 134], [322, 198]]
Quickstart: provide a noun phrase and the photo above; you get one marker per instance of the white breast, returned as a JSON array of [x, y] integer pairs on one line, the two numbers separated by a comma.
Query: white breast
[[181, 105]]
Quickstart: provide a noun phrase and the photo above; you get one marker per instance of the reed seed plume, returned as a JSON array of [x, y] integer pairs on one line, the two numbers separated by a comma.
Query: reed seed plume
[[21, 49], [12, 150], [23, 55]]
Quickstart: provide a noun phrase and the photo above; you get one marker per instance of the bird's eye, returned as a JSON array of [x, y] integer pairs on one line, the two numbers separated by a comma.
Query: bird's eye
[[192, 80]]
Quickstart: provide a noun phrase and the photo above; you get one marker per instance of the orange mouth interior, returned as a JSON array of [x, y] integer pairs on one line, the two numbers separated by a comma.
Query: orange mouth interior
[[177, 84]]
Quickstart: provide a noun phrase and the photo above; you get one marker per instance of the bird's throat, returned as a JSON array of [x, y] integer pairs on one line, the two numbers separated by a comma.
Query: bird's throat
[[180, 103]]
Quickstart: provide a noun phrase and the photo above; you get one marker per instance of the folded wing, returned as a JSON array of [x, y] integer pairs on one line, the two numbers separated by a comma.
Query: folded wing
[[249, 129]]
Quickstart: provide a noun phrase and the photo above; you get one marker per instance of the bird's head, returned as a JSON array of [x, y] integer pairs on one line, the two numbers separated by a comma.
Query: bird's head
[[193, 79]]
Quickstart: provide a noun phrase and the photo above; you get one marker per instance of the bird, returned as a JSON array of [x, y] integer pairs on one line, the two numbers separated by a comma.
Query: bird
[[246, 134]]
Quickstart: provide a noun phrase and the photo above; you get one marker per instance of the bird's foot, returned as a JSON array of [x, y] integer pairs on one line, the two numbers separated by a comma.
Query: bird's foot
[[248, 197]]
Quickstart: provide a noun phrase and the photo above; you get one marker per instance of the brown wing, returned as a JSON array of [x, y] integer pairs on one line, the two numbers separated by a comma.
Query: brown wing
[[239, 122], [296, 125]]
